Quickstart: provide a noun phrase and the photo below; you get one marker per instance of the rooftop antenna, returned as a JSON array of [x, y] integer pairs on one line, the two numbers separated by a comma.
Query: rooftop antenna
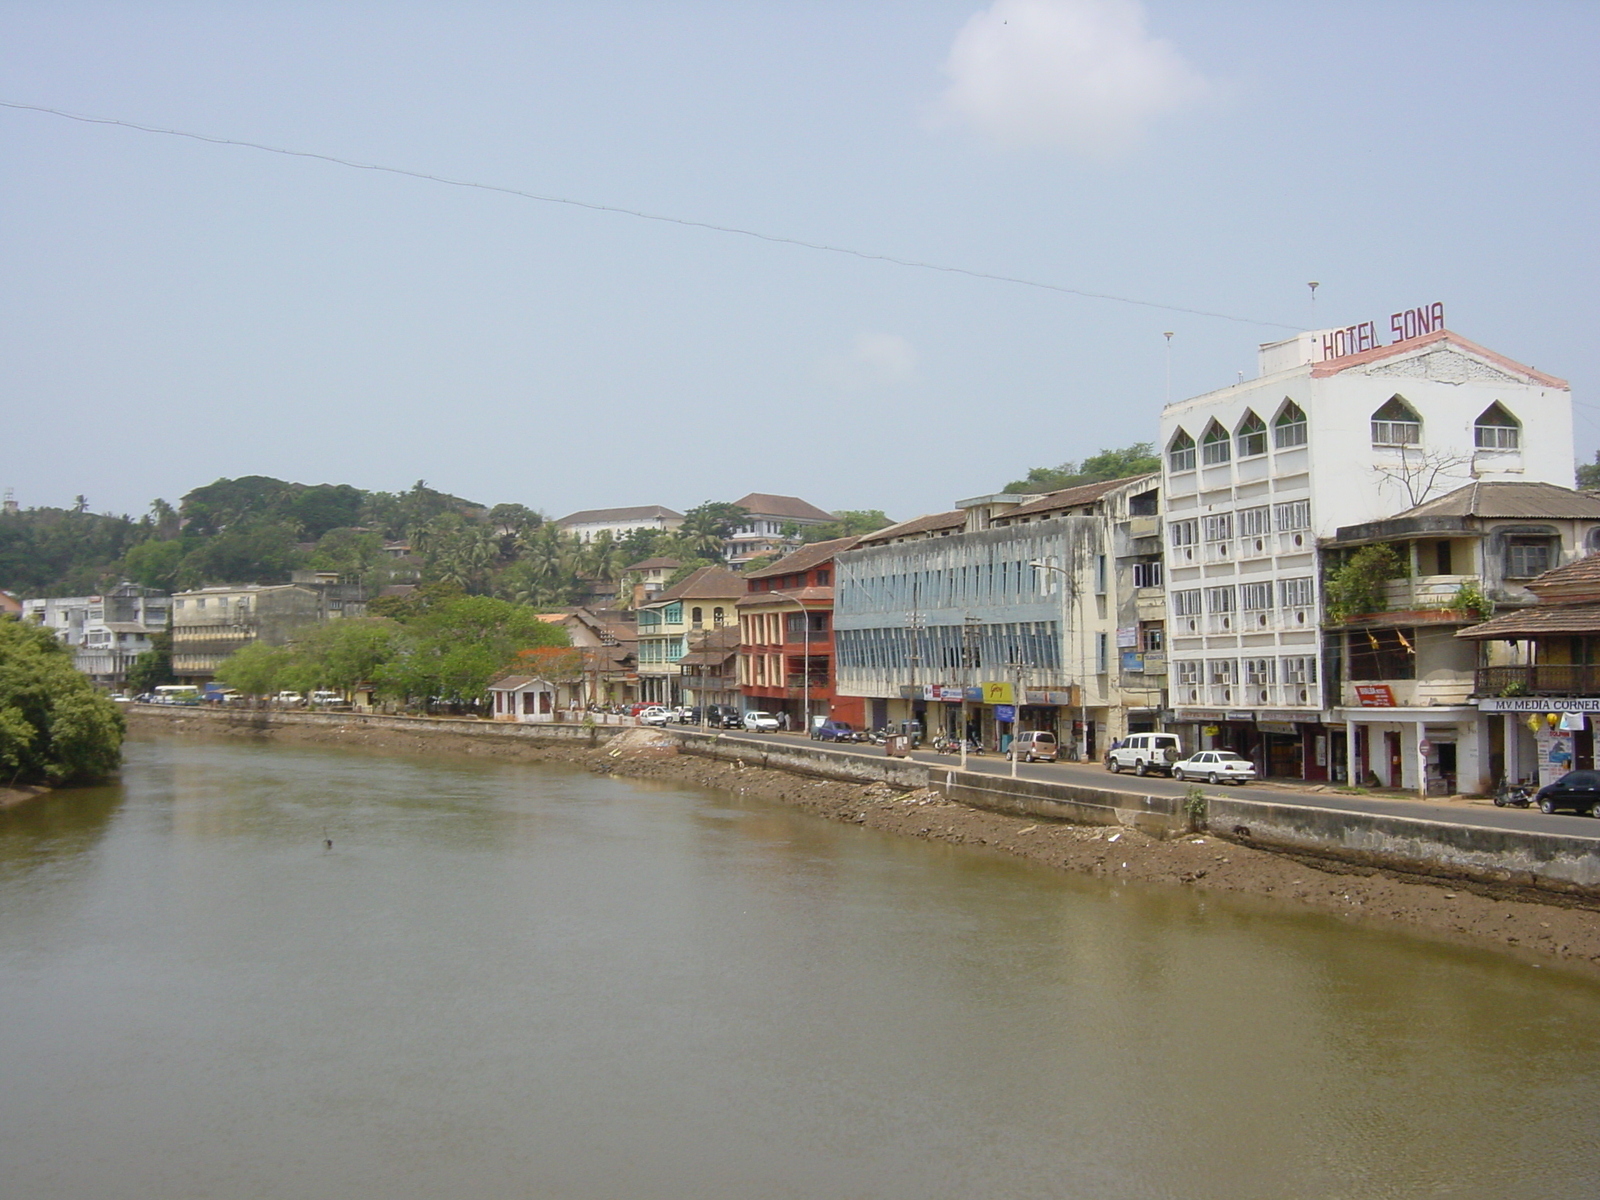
[[1168, 336]]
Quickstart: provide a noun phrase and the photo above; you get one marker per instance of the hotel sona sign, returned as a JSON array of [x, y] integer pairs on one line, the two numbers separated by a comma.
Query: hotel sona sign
[[1403, 326]]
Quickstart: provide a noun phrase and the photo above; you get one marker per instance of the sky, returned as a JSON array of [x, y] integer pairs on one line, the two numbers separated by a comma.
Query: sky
[[176, 311]]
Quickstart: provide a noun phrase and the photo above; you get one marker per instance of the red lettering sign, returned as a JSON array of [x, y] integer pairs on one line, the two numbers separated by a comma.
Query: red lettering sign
[[1414, 322]]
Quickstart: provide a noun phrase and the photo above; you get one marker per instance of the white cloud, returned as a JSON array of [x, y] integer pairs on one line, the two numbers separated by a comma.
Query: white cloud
[[1084, 74], [878, 360]]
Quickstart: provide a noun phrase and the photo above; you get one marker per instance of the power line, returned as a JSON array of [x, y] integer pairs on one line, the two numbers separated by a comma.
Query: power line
[[643, 216]]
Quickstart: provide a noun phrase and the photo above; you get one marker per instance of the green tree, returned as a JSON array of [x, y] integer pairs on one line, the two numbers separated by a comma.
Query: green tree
[[154, 667], [256, 669], [846, 523], [154, 563], [707, 526], [1137, 459], [1589, 474], [54, 726], [1356, 586]]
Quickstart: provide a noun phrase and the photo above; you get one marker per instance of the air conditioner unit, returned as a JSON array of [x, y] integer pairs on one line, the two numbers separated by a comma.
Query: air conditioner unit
[[1297, 676]]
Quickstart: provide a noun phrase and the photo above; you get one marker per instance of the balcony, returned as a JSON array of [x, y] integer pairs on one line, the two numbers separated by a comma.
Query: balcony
[[1542, 679], [818, 682]]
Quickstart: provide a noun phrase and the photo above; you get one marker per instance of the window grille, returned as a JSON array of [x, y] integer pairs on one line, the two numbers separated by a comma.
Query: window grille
[[1396, 424], [1294, 515], [1186, 603], [1214, 447], [1497, 429], [1180, 454]]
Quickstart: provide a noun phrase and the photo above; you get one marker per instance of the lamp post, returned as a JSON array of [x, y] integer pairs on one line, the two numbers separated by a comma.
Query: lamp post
[[1069, 594], [805, 676]]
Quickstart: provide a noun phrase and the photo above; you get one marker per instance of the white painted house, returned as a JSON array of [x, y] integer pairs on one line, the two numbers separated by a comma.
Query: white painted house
[[1255, 474]]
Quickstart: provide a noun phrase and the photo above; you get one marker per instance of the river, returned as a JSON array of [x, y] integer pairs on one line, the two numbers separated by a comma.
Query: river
[[507, 980]]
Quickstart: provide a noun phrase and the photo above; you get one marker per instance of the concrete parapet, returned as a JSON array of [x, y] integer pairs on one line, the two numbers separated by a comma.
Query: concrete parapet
[[1548, 861]]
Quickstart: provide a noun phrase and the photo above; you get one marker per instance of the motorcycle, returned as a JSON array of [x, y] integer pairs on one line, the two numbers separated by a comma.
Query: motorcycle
[[1517, 795]]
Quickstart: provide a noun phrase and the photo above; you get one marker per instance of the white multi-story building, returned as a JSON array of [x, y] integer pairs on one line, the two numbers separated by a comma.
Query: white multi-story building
[[589, 524], [1255, 474], [106, 632]]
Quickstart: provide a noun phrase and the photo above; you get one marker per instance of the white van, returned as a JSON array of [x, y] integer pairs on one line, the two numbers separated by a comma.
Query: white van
[[1142, 753]]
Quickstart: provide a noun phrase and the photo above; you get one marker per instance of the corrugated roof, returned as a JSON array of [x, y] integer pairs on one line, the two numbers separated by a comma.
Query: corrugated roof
[[641, 512], [806, 557], [1538, 621], [796, 509], [1085, 493], [956, 519], [1515, 501]]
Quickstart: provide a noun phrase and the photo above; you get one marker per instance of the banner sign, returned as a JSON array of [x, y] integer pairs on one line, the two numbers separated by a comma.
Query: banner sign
[[1374, 695], [999, 692]]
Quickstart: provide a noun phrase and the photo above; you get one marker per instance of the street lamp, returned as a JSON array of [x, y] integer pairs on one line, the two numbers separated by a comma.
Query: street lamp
[[1069, 593], [805, 677]]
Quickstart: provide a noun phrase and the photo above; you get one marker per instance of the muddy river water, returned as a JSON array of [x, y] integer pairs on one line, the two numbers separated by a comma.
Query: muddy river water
[[509, 980]]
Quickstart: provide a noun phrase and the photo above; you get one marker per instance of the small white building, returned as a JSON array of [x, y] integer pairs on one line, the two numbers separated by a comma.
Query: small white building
[[1255, 474], [525, 698]]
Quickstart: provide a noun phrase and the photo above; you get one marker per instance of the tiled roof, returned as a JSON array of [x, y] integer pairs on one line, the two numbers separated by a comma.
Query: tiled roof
[[649, 564], [1576, 580], [1440, 337], [1516, 501], [806, 557], [707, 583], [759, 504], [956, 519], [642, 512], [812, 597], [1538, 621], [1086, 493]]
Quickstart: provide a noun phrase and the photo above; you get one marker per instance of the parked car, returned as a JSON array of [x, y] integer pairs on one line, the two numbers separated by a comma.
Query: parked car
[[724, 716], [655, 715], [834, 731], [323, 699], [761, 722], [1034, 745], [1142, 753], [289, 699], [1215, 766], [686, 715], [1577, 790]]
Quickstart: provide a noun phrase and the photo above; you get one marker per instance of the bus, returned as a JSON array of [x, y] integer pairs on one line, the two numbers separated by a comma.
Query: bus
[[177, 693]]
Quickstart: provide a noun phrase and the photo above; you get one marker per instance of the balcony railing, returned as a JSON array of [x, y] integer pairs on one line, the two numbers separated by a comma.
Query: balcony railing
[[796, 681], [1542, 679]]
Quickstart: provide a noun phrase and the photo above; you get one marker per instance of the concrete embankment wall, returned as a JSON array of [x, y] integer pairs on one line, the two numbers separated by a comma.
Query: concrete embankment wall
[[1545, 861]]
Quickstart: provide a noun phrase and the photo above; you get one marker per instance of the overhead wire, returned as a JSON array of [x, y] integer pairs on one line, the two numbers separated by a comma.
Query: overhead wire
[[688, 222]]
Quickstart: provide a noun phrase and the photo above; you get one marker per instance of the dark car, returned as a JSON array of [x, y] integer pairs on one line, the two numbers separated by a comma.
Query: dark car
[[834, 731], [1577, 790]]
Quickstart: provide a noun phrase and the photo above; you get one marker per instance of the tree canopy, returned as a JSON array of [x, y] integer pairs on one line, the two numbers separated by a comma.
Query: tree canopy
[[1137, 459], [54, 726]]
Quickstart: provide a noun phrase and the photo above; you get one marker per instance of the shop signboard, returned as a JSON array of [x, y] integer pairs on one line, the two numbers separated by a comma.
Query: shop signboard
[[1539, 704], [974, 694], [1572, 722], [1282, 727], [1555, 753], [1133, 660], [1198, 714], [1374, 695], [1005, 712], [1241, 715], [999, 692], [1127, 635]]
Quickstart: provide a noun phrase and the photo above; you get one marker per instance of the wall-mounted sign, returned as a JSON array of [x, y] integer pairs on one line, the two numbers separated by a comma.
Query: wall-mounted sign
[[1539, 704], [1006, 713], [999, 692], [1403, 326], [1374, 695]]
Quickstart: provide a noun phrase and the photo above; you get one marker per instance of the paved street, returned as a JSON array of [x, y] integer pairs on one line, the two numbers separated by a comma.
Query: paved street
[[1481, 813]]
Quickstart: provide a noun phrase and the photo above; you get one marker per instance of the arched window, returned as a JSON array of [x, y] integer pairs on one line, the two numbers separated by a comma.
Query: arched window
[[1180, 452], [1289, 429], [1497, 429], [1252, 435], [694, 615], [1214, 446], [1396, 424], [718, 617]]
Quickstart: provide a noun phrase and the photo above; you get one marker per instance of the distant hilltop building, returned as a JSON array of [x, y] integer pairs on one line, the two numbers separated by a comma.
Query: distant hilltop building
[[618, 522], [761, 532]]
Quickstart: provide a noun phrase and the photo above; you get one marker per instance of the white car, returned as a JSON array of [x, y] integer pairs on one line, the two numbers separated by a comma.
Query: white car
[[290, 699], [1215, 766], [761, 722], [655, 716]]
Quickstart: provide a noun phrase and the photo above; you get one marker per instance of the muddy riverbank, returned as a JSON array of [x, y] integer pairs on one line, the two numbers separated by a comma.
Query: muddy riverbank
[[1542, 927]]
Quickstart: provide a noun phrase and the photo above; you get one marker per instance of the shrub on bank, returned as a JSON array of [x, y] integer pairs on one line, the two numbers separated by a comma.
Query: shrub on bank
[[54, 726]]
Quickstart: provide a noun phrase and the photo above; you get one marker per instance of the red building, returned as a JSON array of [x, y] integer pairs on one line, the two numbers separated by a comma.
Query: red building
[[786, 634]]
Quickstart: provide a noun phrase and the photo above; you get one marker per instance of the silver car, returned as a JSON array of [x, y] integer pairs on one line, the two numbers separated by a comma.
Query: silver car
[[1215, 766]]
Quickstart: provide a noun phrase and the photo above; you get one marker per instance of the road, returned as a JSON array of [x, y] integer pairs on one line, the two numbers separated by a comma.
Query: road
[[1480, 813]]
